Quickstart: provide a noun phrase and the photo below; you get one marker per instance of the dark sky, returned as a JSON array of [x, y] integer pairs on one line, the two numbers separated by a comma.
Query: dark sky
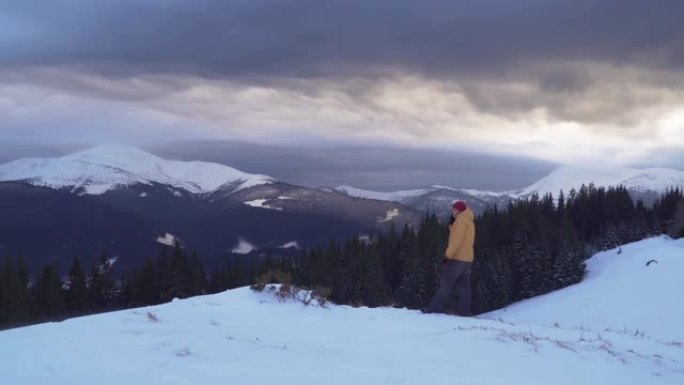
[[557, 81], [341, 38]]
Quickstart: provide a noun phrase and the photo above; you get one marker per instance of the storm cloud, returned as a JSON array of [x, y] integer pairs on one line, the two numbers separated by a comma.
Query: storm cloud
[[557, 80], [342, 37]]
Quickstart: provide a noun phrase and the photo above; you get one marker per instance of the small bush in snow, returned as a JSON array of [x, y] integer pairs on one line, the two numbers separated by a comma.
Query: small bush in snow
[[285, 291], [274, 276]]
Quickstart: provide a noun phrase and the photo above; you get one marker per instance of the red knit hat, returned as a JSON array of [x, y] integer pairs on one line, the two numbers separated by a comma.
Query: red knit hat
[[460, 206]]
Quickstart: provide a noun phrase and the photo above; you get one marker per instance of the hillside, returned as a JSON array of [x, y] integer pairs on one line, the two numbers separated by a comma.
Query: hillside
[[244, 337], [622, 290], [121, 200]]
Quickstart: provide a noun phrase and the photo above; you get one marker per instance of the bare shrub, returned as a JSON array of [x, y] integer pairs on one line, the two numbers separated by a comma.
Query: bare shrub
[[280, 283]]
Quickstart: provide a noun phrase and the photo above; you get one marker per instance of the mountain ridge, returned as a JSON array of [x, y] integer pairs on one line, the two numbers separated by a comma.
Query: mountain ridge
[[101, 169], [646, 183], [122, 200]]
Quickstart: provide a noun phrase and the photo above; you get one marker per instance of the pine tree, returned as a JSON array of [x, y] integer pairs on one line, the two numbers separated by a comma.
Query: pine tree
[[352, 254], [164, 277], [375, 290], [22, 312], [342, 268], [145, 288], [560, 208], [568, 266], [676, 229], [180, 274], [388, 247], [76, 294], [6, 292], [418, 284], [48, 292], [100, 285], [198, 278], [218, 280]]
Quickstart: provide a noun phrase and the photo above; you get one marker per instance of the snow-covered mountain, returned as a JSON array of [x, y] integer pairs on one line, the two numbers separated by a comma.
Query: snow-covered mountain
[[105, 168], [396, 196], [431, 199], [642, 183], [125, 201], [405, 196], [619, 326], [651, 180]]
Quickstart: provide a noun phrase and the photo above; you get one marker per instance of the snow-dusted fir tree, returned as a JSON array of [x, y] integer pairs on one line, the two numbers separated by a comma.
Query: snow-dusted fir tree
[[76, 288]]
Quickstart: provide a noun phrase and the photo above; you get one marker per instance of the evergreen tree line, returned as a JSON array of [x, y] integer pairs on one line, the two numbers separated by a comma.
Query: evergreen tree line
[[49, 296], [531, 247]]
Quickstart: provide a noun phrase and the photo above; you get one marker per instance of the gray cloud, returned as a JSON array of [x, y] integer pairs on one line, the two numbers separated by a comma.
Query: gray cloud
[[402, 69], [670, 157], [248, 41], [10, 151], [329, 38]]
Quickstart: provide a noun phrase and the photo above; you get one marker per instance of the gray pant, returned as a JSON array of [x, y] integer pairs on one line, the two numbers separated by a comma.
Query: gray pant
[[453, 273]]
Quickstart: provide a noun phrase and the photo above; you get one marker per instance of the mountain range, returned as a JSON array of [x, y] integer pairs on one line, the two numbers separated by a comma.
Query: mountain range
[[644, 184], [130, 204]]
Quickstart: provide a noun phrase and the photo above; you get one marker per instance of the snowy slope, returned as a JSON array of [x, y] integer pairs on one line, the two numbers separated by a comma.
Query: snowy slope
[[639, 180], [104, 168], [620, 292], [242, 337]]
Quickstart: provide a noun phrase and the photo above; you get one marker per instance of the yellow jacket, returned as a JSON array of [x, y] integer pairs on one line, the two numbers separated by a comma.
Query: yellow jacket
[[462, 237]]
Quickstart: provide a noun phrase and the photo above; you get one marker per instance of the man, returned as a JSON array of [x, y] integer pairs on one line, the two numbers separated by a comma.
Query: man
[[457, 262]]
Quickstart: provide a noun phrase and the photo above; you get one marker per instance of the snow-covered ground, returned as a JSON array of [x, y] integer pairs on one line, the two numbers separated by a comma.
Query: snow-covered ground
[[621, 291], [261, 203], [167, 239], [291, 244], [242, 337], [391, 214]]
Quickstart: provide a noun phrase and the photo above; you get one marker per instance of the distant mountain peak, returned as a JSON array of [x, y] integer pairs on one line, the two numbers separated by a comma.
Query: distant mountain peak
[[107, 167], [649, 182], [640, 180]]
